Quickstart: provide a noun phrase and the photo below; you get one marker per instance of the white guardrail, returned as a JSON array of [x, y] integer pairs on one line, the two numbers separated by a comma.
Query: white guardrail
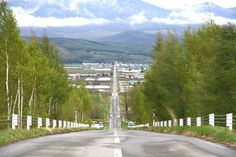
[[139, 126], [227, 120], [39, 122]]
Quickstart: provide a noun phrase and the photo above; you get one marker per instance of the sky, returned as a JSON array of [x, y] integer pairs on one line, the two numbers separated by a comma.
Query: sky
[[182, 13], [173, 4]]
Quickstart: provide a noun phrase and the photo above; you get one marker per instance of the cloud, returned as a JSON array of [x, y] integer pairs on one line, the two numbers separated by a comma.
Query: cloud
[[191, 17], [186, 15], [177, 4], [137, 18], [25, 19]]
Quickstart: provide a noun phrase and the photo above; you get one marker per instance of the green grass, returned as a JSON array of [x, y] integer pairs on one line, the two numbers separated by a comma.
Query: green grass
[[215, 134], [9, 136]]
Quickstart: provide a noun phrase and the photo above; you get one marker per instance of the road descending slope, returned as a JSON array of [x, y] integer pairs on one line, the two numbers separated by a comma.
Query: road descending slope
[[116, 142]]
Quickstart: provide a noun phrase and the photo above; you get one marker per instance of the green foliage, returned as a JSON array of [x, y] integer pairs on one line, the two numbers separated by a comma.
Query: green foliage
[[78, 104], [139, 110], [12, 57], [32, 77], [162, 84], [194, 76], [100, 106]]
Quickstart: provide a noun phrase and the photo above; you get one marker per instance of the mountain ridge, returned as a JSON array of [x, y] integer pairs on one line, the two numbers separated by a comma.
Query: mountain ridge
[[132, 37]]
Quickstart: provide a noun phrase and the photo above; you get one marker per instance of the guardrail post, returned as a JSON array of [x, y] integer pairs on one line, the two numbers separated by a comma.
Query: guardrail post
[[158, 124], [181, 122], [212, 119], [161, 123], [189, 121], [155, 124], [59, 124], [229, 121], [29, 122], [175, 122], [40, 122], [54, 123], [169, 123], [47, 123], [14, 121], [199, 121], [64, 124], [165, 123]]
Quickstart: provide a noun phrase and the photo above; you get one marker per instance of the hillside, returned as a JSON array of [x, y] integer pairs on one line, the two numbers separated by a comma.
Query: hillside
[[80, 50], [133, 37]]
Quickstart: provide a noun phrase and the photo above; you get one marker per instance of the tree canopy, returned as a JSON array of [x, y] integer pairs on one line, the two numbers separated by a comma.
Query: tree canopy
[[192, 76]]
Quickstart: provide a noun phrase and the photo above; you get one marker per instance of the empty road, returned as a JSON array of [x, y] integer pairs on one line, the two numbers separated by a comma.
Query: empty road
[[116, 142]]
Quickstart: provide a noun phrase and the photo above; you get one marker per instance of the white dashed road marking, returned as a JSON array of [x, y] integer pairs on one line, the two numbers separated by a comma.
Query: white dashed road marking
[[117, 151]]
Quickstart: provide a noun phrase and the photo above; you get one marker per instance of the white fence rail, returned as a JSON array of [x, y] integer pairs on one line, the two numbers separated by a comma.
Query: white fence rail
[[141, 125], [29, 122], [227, 120]]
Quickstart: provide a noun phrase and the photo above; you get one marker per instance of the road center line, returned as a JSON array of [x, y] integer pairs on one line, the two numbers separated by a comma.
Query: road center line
[[117, 140], [117, 153]]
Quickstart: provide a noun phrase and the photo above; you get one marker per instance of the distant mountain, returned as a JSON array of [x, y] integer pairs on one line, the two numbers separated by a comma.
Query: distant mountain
[[216, 10], [122, 34], [132, 37], [107, 9], [120, 16], [112, 10]]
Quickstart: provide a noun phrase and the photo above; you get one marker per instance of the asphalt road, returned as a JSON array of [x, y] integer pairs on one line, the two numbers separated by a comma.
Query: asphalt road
[[116, 142], [110, 143]]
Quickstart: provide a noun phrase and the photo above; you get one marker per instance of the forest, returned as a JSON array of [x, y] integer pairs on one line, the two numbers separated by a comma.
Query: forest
[[32, 77], [192, 76]]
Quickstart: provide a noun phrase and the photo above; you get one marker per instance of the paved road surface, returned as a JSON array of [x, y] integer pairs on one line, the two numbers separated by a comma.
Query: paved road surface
[[108, 144], [115, 143]]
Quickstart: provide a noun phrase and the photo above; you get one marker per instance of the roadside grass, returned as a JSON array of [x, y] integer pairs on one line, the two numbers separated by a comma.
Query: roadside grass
[[214, 134], [9, 136]]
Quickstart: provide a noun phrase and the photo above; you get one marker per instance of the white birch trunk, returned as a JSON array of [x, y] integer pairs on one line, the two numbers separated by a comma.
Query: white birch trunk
[[49, 106], [18, 104], [82, 115], [22, 98], [7, 82], [16, 98], [31, 99]]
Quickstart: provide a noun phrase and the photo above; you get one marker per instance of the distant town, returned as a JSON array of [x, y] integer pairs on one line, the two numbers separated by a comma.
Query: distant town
[[98, 76]]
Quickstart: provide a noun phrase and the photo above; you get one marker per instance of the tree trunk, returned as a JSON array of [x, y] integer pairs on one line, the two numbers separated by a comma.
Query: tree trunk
[[31, 99], [22, 98], [7, 82], [49, 106], [82, 116], [16, 98]]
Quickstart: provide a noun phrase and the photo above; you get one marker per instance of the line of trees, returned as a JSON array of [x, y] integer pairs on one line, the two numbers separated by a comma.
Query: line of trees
[[192, 76], [32, 77]]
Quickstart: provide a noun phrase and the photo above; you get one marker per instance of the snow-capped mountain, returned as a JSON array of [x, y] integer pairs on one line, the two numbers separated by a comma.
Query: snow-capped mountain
[[107, 9], [119, 15], [216, 10]]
